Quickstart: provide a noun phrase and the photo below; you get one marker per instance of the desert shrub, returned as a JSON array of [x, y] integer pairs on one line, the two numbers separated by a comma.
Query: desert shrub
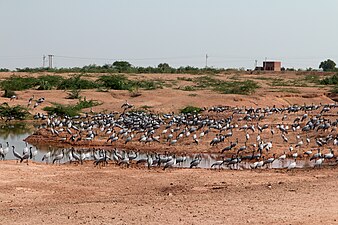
[[15, 112], [184, 79], [237, 87], [226, 87], [74, 94], [312, 79], [61, 110], [48, 82], [8, 93], [16, 83], [335, 89], [189, 88], [192, 95], [148, 84], [76, 82], [82, 104], [70, 110], [45, 82], [146, 107], [279, 82], [206, 81], [330, 80], [191, 110], [115, 82]]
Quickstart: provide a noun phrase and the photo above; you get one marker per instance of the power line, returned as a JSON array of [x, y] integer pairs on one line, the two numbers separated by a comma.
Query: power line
[[129, 59]]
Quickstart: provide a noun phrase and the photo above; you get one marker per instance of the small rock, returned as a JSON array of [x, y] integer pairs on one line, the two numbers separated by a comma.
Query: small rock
[[170, 194]]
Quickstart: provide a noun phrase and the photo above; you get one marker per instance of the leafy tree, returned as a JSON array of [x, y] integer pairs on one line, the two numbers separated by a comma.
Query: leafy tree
[[328, 65], [122, 66], [164, 67]]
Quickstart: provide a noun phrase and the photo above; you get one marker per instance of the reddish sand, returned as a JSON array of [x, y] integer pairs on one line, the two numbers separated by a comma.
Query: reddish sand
[[69, 194], [49, 194]]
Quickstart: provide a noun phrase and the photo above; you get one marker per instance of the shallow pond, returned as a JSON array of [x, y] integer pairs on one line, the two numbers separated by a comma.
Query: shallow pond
[[15, 134]]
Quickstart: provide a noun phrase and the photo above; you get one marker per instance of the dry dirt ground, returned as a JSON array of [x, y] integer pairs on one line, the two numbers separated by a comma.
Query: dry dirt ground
[[69, 194], [172, 97]]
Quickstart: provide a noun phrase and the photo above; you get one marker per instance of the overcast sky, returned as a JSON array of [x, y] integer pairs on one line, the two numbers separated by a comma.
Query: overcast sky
[[234, 33]]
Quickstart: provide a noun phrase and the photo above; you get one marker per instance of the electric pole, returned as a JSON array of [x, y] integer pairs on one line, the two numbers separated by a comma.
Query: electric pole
[[43, 61], [50, 61], [206, 60]]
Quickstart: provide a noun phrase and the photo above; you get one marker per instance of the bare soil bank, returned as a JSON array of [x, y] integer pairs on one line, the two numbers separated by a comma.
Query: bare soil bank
[[68, 194]]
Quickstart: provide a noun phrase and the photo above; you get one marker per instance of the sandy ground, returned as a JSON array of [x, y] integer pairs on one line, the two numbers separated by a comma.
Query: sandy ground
[[49, 194], [69, 194], [172, 98]]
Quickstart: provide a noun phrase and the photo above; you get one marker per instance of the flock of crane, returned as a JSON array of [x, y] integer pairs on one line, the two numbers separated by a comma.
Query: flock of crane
[[257, 136]]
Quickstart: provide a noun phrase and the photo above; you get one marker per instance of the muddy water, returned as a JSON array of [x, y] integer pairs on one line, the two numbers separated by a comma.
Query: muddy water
[[15, 134]]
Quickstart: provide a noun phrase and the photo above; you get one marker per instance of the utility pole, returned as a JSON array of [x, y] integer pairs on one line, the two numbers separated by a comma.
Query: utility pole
[[50, 61], [206, 60], [43, 61]]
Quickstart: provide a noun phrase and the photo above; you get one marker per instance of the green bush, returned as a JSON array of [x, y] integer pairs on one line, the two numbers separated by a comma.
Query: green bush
[[237, 87], [74, 94], [8, 93], [115, 82], [83, 104], [312, 79], [148, 84], [61, 110], [206, 81], [76, 83], [16, 112], [330, 80], [184, 79], [70, 110], [191, 110], [335, 89], [16, 83], [48, 82], [226, 87], [189, 88], [45, 82]]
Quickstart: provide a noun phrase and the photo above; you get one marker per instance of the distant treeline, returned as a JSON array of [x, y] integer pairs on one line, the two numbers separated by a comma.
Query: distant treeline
[[125, 67]]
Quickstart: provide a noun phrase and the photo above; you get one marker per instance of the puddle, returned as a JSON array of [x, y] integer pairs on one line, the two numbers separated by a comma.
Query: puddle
[[15, 134]]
